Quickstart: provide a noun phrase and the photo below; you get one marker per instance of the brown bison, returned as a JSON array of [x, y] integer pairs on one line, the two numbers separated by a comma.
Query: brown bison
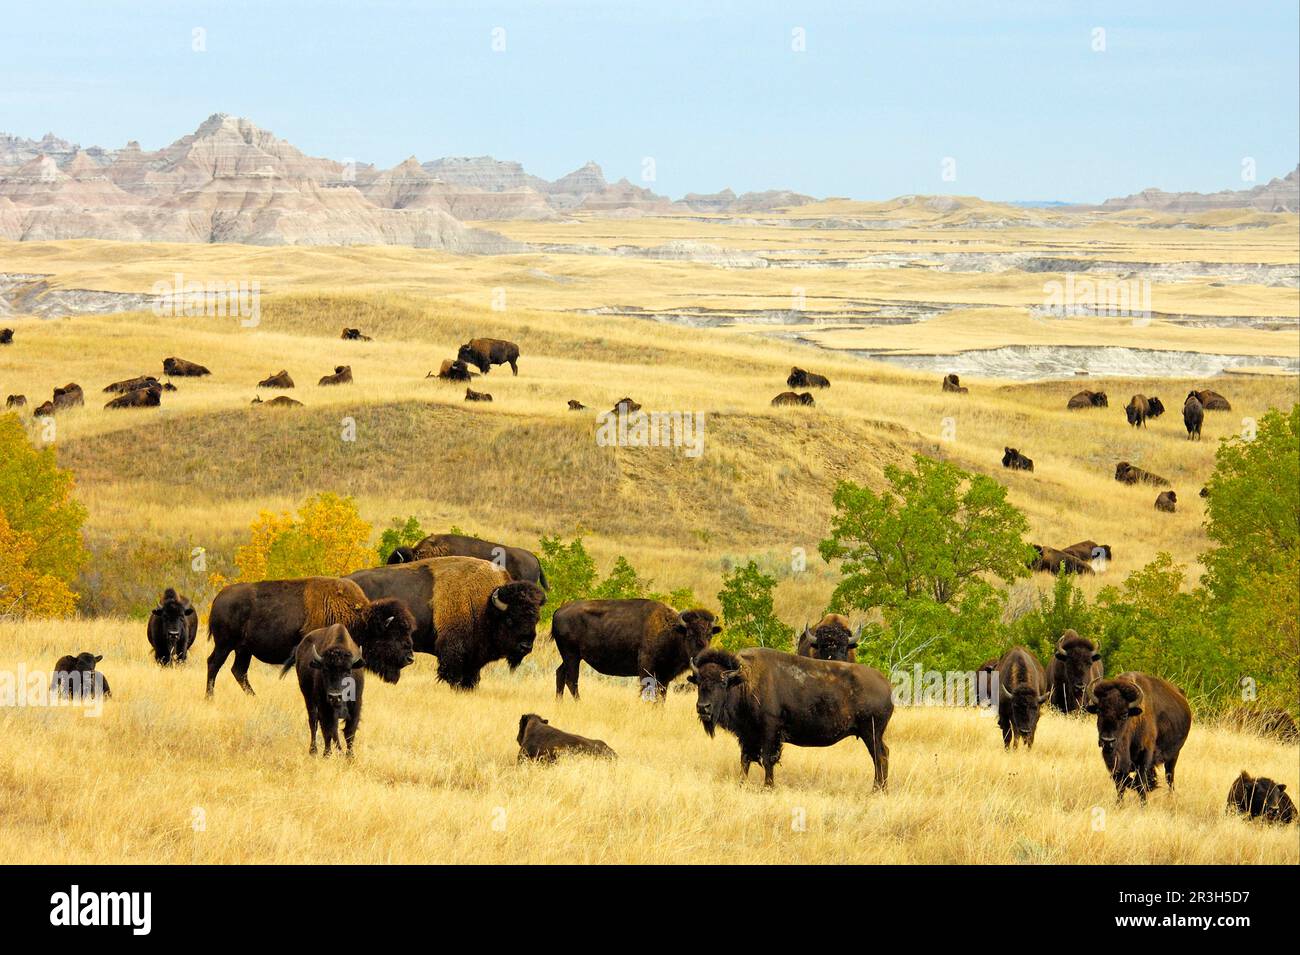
[[148, 397], [540, 741], [1167, 501], [1075, 664], [768, 698], [520, 564], [16, 401], [1088, 399], [1193, 416], [1142, 721], [952, 383], [472, 395], [75, 678], [1261, 798], [266, 620], [1138, 410], [641, 638], [483, 353], [280, 401], [576, 405], [798, 378], [1088, 551], [1011, 458], [831, 639], [1055, 561], [173, 626], [44, 409], [790, 398], [6, 336], [69, 396], [354, 335], [452, 369], [180, 368], [1212, 400], [332, 678], [1022, 691], [468, 612], [625, 407], [131, 384], [342, 376], [280, 379], [1265, 721], [1126, 473]]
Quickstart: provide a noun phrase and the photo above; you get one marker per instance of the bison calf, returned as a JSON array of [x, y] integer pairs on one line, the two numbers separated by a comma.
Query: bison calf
[[1166, 501], [1142, 721], [331, 678], [539, 740], [472, 395], [76, 678], [1261, 798]]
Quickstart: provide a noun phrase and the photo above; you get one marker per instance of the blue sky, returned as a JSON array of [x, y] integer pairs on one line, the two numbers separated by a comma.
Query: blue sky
[[714, 92]]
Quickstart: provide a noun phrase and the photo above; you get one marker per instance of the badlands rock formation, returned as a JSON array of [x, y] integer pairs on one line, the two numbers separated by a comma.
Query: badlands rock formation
[[1277, 195]]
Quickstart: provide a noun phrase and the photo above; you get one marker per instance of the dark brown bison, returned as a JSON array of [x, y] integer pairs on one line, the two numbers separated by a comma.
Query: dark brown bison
[[1088, 399], [1022, 691], [1055, 561], [1088, 551], [1212, 400], [332, 678], [576, 405], [452, 370], [641, 638], [1205, 491], [831, 639], [1011, 458], [1154, 407], [768, 698], [280, 379], [131, 384], [342, 376], [44, 409], [625, 406], [173, 626], [798, 378], [267, 619], [468, 612], [520, 564], [280, 401], [540, 741], [401, 555], [69, 396], [952, 383], [483, 353], [1075, 664], [790, 398], [6, 336], [1193, 416], [75, 678], [16, 401], [1261, 798], [1126, 473], [180, 368], [1167, 501], [1142, 721], [354, 335], [472, 395], [148, 397]]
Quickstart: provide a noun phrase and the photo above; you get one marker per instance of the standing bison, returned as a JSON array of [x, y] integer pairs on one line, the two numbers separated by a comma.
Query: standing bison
[[831, 639], [330, 675], [641, 638], [1075, 664], [518, 563], [1142, 721], [1055, 561], [267, 619], [76, 679], [1193, 416], [483, 353], [467, 612], [173, 625], [1022, 691], [768, 698], [1140, 408]]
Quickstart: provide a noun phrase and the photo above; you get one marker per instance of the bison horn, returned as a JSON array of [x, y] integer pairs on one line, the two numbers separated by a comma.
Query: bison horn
[[1003, 687], [315, 654], [1087, 693], [695, 671], [498, 602]]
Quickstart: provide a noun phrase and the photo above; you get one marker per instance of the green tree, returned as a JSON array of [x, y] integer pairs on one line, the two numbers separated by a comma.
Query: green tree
[[570, 571], [747, 611], [399, 533], [1063, 608]]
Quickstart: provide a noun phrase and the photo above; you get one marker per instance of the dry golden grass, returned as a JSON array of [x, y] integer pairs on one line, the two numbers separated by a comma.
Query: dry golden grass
[[435, 780]]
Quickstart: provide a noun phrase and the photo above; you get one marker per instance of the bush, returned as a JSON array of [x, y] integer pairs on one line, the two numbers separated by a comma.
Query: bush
[[327, 538], [570, 571], [747, 614], [400, 533]]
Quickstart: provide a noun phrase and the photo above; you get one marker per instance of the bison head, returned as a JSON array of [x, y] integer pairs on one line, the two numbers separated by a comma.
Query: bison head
[[171, 628], [1155, 408], [401, 555], [385, 638], [1026, 705], [469, 356], [833, 641], [696, 629], [1113, 702], [715, 672], [523, 725], [335, 666], [86, 661], [1077, 655], [1009, 455], [512, 613], [1099, 399]]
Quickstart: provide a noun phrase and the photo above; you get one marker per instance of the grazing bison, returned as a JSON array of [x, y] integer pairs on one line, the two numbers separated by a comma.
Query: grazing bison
[[1261, 798], [1022, 691], [1088, 399], [354, 335], [1075, 664], [131, 384], [1055, 561], [472, 395], [16, 401], [798, 378], [576, 405], [1142, 721], [173, 626], [790, 398], [1193, 416], [641, 638], [1126, 473], [76, 678], [342, 376], [332, 678], [540, 741], [452, 369], [468, 612], [6, 336], [1088, 551], [768, 698], [69, 396], [483, 353], [1011, 458], [831, 639], [149, 397], [1166, 501], [280, 401], [625, 407], [280, 379], [952, 383], [180, 368], [267, 619], [520, 564], [1212, 400], [1138, 409]]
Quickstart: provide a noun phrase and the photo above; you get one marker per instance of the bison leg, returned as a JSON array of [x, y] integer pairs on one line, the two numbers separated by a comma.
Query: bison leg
[[239, 669], [329, 729], [350, 727], [1006, 734], [875, 740], [566, 674], [311, 724], [216, 660], [513, 367], [769, 756], [1169, 771]]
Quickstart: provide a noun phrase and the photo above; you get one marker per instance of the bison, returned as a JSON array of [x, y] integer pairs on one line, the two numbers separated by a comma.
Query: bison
[[1138, 410], [1193, 416], [354, 335], [468, 612], [16, 401], [520, 564], [279, 401], [798, 378], [576, 405], [44, 409], [149, 397], [1261, 798], [173, 626], [625, 407], [1142, 721], [1022, 691], [1055, 561], [1011, 458], [1088, 399], [1088, 551], [953, 384], [1167, 501], [452, 370], [790, 398], [768, 698], [472, 395], [1127, 473], [69, 396], [342, 376], [986, 682], [1265, 721], [540, 741], [180, 368], [131, 384], [6, 336], [1212, 400], [280, 379], [831, 639], [266, 620], [1075, 664], [76, 678], [641, 638], [332, 678], [483, 353]]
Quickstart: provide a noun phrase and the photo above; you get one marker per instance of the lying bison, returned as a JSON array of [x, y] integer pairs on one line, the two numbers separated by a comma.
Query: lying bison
[[267, 619], [76, 678], [798, 378], [1142, 721], [1022, 691], [1088, 551], [280, 401], [483, 353], [332, 679], [354, 335], [625, 407], [280, 379], [541, 742], [576, 405], [768, 698], [69, 396], [468, 612], [1075, 664], [1265, 721], [641, 638], [452, 369], [831, 639], [1261, 798], [1212, 400], [150, 397], [1127, 473], [952, 383], [173, 626], [1167, 501], [1012, 458], [790, 398], [342, 376], [520, 564], [180, 368], [131, 384], [1088, 399], [6, 336], [1055, 561], [472, 395], [1193, 416]]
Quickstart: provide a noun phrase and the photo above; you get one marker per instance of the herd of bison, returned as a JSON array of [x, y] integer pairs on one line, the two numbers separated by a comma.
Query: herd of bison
[[470, 602]]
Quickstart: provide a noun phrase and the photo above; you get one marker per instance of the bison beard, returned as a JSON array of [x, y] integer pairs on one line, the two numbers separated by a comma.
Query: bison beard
[[385, 638]]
